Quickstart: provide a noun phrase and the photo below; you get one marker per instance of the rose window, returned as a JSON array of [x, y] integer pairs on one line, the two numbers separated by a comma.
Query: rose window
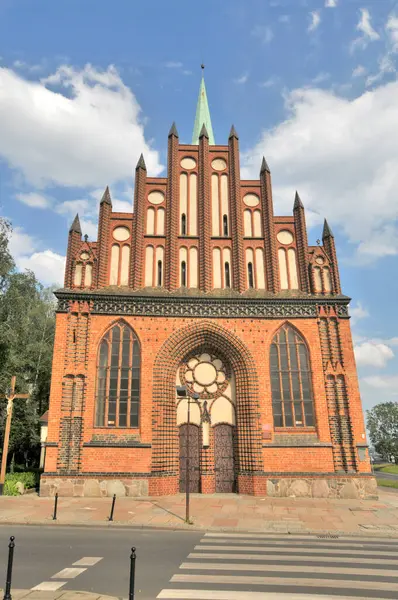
[[205, 375]]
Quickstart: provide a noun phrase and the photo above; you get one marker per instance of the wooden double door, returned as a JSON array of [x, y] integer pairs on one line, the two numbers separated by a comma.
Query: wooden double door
[[224, 462]]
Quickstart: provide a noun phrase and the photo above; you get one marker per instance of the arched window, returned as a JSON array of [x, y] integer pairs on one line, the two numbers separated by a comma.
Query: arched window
[[183, 273], [292, 401], [183, 224], [159, 280], [225, 224], [118, 378], [250, 274], [227, 275]]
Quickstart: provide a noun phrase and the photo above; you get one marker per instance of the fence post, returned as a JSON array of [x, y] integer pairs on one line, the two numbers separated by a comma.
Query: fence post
[[55, 507], [11, 545], [113, 507], [132, 573]]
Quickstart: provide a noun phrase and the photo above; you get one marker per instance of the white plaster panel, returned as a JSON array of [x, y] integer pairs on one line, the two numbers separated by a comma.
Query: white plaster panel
[[183, 195], [149, 266], [219, 164], [193, 204], [224, 195], [88, 276], [283, 269], [188, 163], [193, 268], [121, 234], [215, 212], [247, 223], [150, 221], [317, 279], [217, 283], [260, 269], [114, 264], [285, 237], [222, 411], [251, 200], [78, 274], [160, 221], [327, 279], [156, 197], [182, 413], [291, 253], [257, 223], [125, 266]]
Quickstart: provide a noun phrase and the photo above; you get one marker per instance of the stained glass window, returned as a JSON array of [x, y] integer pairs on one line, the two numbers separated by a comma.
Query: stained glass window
[[118, 378], [292, 400]]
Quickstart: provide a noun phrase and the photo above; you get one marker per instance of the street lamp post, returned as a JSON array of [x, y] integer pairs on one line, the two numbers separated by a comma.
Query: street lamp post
[[183, 393]]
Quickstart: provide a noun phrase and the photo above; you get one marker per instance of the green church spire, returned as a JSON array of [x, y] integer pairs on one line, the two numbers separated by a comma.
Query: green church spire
[[202, 115]]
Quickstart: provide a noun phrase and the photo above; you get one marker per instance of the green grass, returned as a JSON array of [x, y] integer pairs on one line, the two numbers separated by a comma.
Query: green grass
[[386, 468], [387, 483]]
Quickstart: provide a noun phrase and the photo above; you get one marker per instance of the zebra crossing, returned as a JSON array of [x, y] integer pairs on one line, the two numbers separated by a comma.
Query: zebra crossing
[[250, 566]]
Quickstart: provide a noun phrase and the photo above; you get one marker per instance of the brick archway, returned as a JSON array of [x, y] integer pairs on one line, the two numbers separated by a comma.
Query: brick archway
[[165, 443]]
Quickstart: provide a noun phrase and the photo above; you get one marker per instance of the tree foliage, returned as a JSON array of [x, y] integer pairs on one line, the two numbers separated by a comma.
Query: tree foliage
[[382, 423], [26, 343]]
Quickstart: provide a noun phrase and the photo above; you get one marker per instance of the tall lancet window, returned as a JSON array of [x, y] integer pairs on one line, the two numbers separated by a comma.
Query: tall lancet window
[[227, 275], [118, 378], [292, 400], [183, 224]]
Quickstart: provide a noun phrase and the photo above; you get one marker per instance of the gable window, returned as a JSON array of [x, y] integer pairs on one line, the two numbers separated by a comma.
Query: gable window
[[292, 400], [183, 273], [183, 224], [225, 224], [250, 274], [118, 378], [159, 279], [227, 276]]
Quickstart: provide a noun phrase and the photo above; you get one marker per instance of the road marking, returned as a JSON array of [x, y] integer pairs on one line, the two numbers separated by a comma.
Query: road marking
[[288, 568], [286, 558], [229, 595], [48, 586], [377, 586], [322, 539], [292, 543], [87, 561], [291, 550], [68, 573]]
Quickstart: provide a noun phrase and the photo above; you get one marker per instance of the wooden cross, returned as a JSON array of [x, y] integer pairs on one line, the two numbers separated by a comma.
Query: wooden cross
[[10, 395]]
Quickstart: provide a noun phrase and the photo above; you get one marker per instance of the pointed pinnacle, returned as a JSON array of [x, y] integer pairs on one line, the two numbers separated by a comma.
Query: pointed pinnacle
[[232, 133], [106, 198], [203, 132], [264, 167], [297, 202], [141, 163], [75, 227], [327, 232], [173, 130]]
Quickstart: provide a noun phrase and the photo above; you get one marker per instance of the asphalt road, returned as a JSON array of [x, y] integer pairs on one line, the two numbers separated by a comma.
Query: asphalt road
[[225, 566], [41, 552], [381, 475]]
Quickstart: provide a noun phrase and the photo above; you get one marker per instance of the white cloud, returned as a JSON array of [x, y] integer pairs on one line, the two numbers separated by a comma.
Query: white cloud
[[330, 3], [71, 207], [365, 27], [271, 81], [383, 382], [284, 19], [358, 312], [41, 129], [373, 354], [264, 33], [21, 243], [392, 30], [339, 176], [315, 20], [34, 200], [359, 71], [242, 79], [174, 65], [321, 77], [48, 266], [122, 206]]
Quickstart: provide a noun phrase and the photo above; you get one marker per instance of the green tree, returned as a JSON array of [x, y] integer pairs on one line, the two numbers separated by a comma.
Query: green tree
[[382, 423], [26, 342]]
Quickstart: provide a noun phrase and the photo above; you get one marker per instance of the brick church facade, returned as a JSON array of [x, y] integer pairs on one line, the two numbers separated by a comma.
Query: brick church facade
[[202, 318]]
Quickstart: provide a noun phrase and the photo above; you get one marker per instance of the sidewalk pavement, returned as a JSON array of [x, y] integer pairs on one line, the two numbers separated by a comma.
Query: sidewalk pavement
[[213, 512], [60, 595]]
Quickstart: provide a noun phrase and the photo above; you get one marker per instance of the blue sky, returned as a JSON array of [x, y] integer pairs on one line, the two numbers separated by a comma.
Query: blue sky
[[85, 87]]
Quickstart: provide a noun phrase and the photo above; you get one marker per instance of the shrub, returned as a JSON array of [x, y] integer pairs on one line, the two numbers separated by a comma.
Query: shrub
[[28, 478]]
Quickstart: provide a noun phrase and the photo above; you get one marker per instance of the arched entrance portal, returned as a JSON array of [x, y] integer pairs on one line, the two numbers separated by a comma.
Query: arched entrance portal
[[185, 344], [210, 384]]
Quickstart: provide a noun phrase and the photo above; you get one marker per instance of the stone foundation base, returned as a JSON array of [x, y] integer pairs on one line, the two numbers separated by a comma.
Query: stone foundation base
[[278, 487], [92, 487], [333, 487]]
